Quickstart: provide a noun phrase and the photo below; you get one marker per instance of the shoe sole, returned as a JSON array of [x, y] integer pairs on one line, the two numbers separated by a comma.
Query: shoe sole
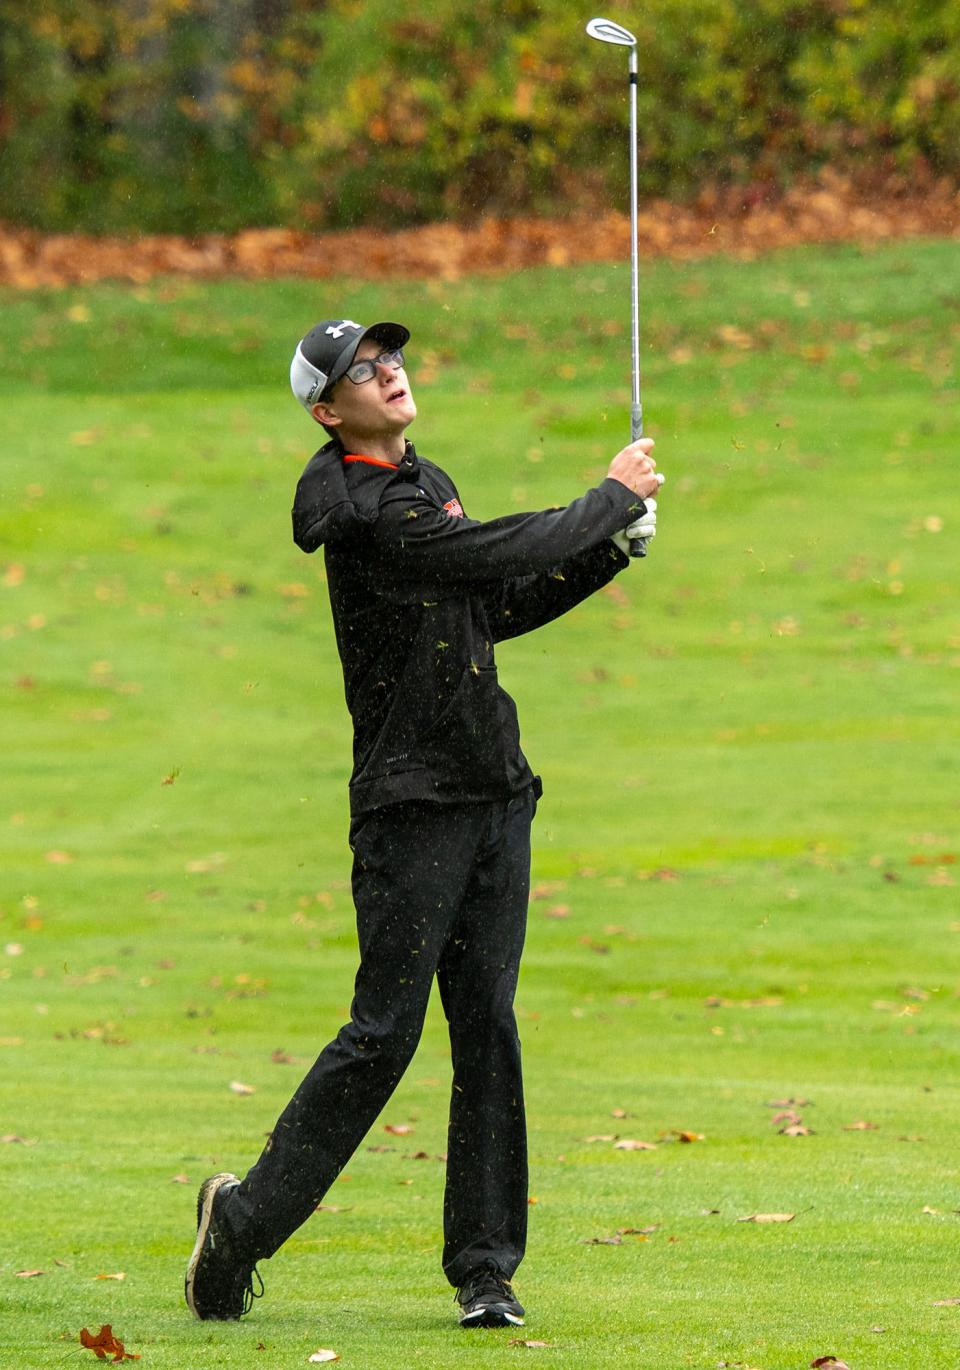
[[208, 1192], [491, 1317]]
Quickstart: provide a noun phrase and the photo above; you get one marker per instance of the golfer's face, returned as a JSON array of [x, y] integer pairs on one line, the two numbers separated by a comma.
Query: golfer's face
[[382, 404]]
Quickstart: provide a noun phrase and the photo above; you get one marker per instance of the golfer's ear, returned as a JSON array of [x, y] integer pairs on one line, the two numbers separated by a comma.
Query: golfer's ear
[[325, 414]]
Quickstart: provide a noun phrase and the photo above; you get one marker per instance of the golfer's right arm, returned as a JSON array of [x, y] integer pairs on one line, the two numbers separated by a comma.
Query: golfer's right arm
[[419, 542]]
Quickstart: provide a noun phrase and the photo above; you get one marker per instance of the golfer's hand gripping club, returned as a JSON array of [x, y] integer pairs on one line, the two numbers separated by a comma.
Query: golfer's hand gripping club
[[635, 468]]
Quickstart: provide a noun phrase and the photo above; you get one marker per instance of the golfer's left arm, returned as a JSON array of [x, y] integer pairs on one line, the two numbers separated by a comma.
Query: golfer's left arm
[[524, 603]]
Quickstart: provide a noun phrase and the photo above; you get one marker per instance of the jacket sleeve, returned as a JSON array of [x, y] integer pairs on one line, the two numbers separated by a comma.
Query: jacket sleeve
[[419, 544], [527, 602]]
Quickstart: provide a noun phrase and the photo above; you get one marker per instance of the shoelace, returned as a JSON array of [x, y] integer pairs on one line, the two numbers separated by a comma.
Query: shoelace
[[249, 1293], [488, 1281]]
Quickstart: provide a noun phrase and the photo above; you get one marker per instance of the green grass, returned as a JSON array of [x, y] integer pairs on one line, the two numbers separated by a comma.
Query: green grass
[[749, 750]]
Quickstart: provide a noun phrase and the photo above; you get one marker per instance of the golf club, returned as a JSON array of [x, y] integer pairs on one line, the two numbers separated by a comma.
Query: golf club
[[606, 31]]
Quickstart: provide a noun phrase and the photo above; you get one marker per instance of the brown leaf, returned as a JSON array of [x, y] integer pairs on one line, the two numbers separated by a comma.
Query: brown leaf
[[628, 1144], [28, 1274], [768, 1218], [13, 1138], [602, 1241], [398, 1129], [521, 1341], [117, 1275], [796, 1130], [105, 1344], [860, 1126]]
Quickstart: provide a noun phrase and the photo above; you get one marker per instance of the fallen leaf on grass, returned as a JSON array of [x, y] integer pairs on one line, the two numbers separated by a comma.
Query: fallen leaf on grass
[[398, 1129], [12, 1139], [829, 1363], [768, 1217], [796, 1130], [519, 1341], [237, 1088], [105, 1344], [861, 1126], [629, 1144], [945, 1303], [28, 1274], [179, 1179], [602, 1241], [322, 1355], [117, 1275]]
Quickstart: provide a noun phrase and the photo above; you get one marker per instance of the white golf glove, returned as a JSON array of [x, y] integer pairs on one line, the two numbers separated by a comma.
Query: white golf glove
[[643, 527]]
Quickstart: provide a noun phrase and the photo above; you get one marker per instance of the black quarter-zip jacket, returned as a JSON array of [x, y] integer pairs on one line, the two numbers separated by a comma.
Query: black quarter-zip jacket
[[420, 593]]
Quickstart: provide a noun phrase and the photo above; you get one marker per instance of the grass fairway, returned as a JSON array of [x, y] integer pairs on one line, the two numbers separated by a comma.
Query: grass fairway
[[745, 855]]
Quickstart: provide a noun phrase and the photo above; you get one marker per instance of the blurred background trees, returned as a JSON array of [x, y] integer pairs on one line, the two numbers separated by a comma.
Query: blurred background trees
[[212, 115]]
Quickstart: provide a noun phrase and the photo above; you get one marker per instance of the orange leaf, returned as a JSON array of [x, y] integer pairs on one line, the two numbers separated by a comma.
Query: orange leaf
[[399, 1129], [106, 1344]]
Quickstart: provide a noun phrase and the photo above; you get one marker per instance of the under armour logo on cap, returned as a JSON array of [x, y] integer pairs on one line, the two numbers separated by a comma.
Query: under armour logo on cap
[[336, 330]]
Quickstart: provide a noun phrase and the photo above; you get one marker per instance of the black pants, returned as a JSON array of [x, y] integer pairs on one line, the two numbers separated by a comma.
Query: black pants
[[439, 890]]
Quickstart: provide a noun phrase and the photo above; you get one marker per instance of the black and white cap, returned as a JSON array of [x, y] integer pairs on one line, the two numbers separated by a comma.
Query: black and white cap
[[328, 350]]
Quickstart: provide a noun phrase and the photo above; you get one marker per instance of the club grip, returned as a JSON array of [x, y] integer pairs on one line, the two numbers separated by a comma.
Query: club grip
[[638, 546]]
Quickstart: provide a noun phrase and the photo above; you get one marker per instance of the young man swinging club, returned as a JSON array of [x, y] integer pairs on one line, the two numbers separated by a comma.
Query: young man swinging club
[[441, 801]]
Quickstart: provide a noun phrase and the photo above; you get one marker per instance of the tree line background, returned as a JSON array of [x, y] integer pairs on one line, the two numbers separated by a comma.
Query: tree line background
[[212, 115]]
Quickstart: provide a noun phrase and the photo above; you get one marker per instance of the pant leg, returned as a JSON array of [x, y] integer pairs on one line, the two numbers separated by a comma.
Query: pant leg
[[485, 1203], [411, 869]]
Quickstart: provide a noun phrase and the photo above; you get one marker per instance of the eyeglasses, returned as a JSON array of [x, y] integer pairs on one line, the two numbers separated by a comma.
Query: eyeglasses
[[363, 371]]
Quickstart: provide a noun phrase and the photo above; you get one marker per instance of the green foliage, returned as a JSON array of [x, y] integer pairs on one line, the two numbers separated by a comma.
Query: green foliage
[[214, 114]]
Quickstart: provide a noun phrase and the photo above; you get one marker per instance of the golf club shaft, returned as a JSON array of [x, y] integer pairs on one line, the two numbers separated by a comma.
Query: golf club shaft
[[638, 546]]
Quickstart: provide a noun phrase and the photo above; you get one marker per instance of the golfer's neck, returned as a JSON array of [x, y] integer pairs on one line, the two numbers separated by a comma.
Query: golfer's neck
[[385, 447]]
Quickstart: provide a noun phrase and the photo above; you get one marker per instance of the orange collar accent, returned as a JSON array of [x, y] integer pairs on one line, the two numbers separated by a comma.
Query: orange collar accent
[[373, 461]]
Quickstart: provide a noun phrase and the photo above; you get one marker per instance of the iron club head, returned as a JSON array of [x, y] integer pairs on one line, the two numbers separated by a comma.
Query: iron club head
[[606, 31]]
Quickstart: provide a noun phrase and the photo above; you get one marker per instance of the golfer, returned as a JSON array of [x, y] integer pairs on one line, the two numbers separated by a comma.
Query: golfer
[[441, 802]]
